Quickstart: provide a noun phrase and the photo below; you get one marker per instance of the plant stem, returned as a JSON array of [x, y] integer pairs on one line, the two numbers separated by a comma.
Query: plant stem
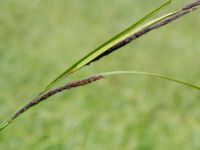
[[48, 94], [157, 23]]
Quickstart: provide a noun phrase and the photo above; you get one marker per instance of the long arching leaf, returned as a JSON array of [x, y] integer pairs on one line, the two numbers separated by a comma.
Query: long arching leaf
[[81, 83], [153, 75]]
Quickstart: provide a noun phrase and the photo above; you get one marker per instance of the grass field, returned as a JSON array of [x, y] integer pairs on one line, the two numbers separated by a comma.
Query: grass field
[[39, 39]]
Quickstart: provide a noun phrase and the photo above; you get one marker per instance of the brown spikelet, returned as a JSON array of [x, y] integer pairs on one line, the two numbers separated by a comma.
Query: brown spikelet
[[185, 10], [73, 84]]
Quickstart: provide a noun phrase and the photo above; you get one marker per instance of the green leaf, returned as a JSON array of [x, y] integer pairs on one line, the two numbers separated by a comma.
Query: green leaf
[[107, 45], [10, 119], [151, 74]]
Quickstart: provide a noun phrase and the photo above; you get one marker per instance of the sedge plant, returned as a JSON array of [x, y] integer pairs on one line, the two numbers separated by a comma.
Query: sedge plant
[[135, 31]]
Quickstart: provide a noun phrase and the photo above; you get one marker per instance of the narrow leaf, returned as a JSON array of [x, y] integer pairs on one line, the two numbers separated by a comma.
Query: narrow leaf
[[151, 74], [86, 81], [105, 47]]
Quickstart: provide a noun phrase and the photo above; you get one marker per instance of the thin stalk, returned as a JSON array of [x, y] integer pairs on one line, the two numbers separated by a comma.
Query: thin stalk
[[97, 53], [126, 37], [155, 24], [84, 82]]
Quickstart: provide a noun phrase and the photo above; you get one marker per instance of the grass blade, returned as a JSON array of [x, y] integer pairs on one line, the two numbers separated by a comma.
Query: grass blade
[[83, 82], [156, 23], [104, 47], [151, 74]]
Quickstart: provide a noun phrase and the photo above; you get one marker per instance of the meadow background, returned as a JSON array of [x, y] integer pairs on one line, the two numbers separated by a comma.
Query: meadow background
[[41, 38]]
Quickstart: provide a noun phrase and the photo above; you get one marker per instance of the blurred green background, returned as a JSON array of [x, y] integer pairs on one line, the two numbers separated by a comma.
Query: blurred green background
[[41, 38]]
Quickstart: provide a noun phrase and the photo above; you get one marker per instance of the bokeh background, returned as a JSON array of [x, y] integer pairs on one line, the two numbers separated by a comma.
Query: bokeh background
[[39, 39]]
